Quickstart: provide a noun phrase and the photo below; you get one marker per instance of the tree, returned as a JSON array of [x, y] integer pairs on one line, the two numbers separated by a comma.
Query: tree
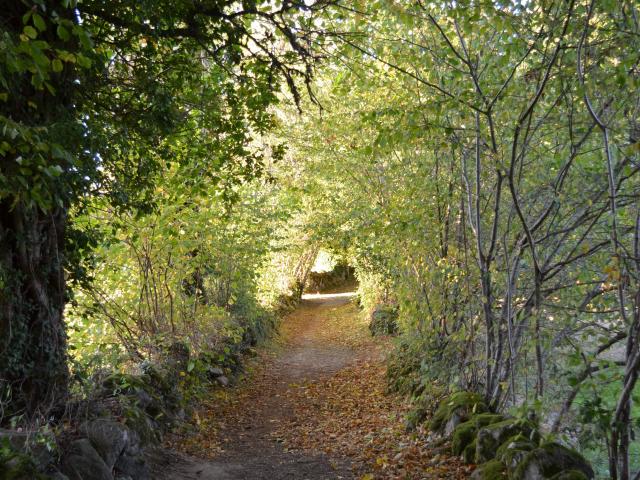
[[96, 98]]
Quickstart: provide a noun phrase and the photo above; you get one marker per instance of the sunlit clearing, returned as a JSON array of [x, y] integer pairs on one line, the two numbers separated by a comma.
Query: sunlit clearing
[[311, 296], [324, 262]]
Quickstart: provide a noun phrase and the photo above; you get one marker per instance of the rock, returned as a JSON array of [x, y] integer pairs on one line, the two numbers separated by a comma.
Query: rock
[[452, 424], [552, 459], [17, 466], [109, 438], [492, 436], [465, 433], [461, 404], [513, 451], [82, 462], [492, 470], [215, 372], [223, 381], [25, 443], [142, 398], [58, 476], [133, 466], [469, 453], [148, 430], [570, 475]]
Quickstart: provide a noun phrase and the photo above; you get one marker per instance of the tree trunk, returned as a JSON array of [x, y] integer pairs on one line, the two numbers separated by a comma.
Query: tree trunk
[[33, 368]]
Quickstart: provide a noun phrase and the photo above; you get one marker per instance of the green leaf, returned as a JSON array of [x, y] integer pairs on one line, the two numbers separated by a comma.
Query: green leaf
[[56, 65], [63, 33], [38, 21], [30, 32], [83, 61]]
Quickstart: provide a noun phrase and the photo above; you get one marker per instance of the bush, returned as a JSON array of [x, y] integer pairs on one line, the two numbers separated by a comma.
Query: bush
[[384, 320]]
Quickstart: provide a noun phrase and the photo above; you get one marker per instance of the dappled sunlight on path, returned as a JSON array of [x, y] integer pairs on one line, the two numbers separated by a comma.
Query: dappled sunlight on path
[[313, 406]]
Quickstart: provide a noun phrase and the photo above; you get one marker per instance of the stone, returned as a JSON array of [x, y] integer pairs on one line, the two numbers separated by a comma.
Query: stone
[[215, 372], [513, 451], [452, 424], [461, 404], [469, 453], [18, 466], [491, 470], [109, 438], [82, 462], [58, 476], [25, 442], [465, 433], [223, 381], [570, 475], [552, 459], [133, 466], [142, 398], [492, 436], [148, 430]]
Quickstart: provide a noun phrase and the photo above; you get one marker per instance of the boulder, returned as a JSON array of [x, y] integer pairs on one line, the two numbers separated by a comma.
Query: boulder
[[17, 466], [147, 428], [492, 436], [58, 476], [142, 398], [82, 462], [469, 453], [513, 451], [465, 433], [109, 438], [29, 443], [492, 470], [456, 409], [570, 475], [215, 372], [132, 465], [552, 459]]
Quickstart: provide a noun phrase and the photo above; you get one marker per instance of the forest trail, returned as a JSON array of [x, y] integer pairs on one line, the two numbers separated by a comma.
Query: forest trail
[[313, 406]]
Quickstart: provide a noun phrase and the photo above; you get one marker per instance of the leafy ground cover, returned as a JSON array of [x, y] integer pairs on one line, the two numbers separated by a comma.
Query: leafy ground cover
[[315, 404]]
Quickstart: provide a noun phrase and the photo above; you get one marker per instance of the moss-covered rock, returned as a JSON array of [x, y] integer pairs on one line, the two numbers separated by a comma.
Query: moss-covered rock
[[17, 466], [469, 453], [492, 436], [148, 428], [513, 451], [492, 470], [456, 409], [570, 475], [465, 433], [552, 459]]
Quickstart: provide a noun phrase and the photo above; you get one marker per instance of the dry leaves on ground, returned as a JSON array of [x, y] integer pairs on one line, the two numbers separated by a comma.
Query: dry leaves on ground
[[350, 415], [346, 415]]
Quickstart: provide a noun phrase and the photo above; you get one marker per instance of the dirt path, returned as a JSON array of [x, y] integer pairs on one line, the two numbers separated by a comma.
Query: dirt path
[[313, 407], [242, 440]]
